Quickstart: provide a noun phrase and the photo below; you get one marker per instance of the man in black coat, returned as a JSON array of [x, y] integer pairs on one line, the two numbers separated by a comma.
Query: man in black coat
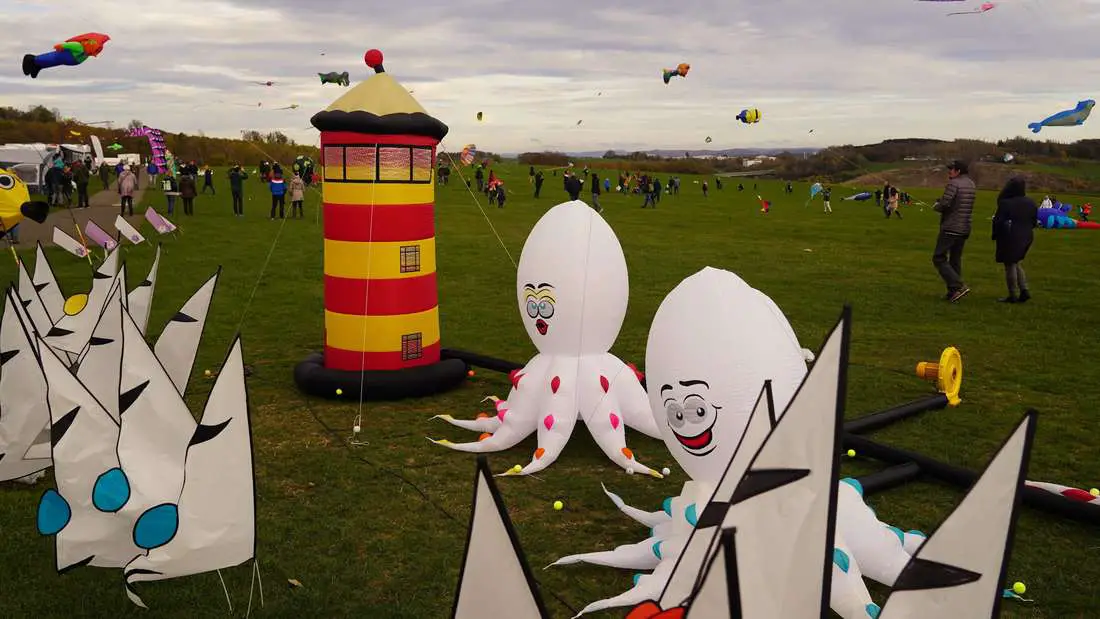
[[572, 186], [956, 208]]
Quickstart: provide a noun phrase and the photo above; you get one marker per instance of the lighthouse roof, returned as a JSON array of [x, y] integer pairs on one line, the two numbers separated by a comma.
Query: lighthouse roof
[[382, 106]]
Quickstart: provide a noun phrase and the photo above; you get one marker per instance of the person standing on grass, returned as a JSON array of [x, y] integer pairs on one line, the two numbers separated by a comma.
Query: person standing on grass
[[878, 197], [531, 175], [278, 194], [297, 196], [188, 191], [538, 182], [127, 183], [171, 191], [1014, 230], [596, 192], [572, 186], [81, 176], [105, 176], [704, 189], [826, 194], [152, 170], [208, 180], [236, 188], [956, 208], [892, 203]]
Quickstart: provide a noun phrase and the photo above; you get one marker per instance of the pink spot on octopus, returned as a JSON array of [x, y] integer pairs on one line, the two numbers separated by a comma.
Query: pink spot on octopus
[[614, 421], [548, 421]]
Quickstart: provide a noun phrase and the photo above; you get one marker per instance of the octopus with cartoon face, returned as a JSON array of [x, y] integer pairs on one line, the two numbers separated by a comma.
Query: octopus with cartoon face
[[572, 291], [707, 363]]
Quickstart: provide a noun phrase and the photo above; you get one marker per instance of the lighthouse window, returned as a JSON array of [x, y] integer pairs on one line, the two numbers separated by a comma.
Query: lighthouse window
[[333, 161], [422, 165], [394, 163], [361, 163], [411, 347], [410, 258]]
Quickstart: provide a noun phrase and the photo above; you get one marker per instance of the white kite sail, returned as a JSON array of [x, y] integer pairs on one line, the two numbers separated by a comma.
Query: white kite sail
[[179, 341], [69, 244], [140, 299], [32, 302], [958, 572], [45, 282], [128, 231], [494, 573], [24, 414], [217, 507], [72, 332], [719, 595], [100, 367]]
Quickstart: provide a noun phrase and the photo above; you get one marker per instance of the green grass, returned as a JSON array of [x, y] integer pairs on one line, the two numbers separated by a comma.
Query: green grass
[[365, 543]]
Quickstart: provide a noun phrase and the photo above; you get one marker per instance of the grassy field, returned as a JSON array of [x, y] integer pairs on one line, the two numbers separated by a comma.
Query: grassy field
[[378, 530]]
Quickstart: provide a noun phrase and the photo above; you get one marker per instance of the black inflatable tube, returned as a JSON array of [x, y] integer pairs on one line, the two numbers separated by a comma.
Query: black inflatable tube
[[888, 478], [479, 360], [964, 478], [312, 377], [883, 418]]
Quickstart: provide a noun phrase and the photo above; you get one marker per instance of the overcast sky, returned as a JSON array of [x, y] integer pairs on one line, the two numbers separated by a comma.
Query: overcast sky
[[853, 71]]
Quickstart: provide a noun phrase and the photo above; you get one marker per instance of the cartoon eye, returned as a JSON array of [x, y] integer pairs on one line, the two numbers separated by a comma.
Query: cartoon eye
[[532, 308], [702, 412], [546, 308], [6, 181]]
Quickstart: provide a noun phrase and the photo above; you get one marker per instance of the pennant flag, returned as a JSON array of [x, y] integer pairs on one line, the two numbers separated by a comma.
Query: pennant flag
[[128, 231], [99, 236], [69, 244], [159, 222]]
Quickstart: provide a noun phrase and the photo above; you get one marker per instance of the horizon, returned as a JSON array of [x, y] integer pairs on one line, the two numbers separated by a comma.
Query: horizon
[[535, 71]]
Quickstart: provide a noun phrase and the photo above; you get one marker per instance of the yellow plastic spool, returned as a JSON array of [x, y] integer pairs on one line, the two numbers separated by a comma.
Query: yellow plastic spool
[[75, 304], [947, 374]]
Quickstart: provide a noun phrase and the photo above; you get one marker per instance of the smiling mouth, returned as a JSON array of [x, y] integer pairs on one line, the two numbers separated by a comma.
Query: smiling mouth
[[698, 442], [542, 326]]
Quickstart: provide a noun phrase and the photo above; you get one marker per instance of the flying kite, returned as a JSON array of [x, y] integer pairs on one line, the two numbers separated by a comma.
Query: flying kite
[[1066, 118], [681, 70], [116, 147], [72, 52], [332, 77], [579, 122], [986, 6], [265, 83], [469, 153], [749, 116], [292, 106], [15, 203], [708, 140], [480, 115]]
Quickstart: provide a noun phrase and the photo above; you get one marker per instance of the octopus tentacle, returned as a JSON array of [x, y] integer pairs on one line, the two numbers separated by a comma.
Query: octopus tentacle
[[623, 382], [606, 425], [649, 519], [481, 424], [646, 587], [848, 596], [513, 429], [878, 548], [644, 555], [556, 416]]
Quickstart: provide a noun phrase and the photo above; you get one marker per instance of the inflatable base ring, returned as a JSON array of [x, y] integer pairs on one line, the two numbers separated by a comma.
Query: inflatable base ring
[[314, 378]]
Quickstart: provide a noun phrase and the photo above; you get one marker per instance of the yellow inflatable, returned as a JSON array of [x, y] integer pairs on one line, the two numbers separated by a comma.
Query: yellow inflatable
[[15, 203]]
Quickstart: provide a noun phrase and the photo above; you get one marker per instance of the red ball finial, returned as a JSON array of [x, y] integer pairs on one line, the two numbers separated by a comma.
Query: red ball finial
[[373, 58]]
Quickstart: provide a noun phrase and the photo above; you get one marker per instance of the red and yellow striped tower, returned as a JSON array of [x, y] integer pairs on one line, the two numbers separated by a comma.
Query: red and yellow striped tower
[[381, 301]]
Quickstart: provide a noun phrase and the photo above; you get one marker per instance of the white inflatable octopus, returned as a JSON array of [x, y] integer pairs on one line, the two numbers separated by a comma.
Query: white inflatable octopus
[[714, 342], [572, 291]]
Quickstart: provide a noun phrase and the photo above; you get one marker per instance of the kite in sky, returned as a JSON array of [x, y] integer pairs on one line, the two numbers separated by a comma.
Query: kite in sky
[[1066, 118], [681, 70], [265, 83], [749, 116], [116, 147], [985, 6], [480, 115], [332, 77], [708, 140], [72, 52], [292, 106]]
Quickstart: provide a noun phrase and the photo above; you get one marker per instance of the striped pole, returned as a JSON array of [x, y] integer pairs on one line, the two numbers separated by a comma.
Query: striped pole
[[381, 298]]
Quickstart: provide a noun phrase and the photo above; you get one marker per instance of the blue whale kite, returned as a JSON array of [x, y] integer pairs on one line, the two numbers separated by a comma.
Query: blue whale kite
[[1066, 118]]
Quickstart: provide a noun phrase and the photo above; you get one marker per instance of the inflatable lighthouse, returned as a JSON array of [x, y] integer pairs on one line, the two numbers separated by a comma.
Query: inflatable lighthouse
[[382, 339]]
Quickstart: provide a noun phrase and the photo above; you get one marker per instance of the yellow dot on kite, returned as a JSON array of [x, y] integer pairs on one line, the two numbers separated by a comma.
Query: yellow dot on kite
[[75, 303]]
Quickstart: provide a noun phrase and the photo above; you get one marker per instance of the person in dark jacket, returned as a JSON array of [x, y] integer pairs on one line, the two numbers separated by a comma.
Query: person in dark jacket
[[81, 176], [208, 180], [596, 193], [236, 187], [572, 186], [105, 175], [956, 208], [188, 191], [538, 182], [1013, 230]]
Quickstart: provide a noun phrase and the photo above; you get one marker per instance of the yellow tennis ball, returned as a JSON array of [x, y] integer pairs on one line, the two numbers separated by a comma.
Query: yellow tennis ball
[[339, 392], [1095, 492], [558, 505], [851, 453], [517, 468], [1019, 588], [206, 373], [75, 303]]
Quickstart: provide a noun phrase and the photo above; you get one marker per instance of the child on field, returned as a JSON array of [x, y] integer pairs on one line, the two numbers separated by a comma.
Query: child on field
[[297, 196]]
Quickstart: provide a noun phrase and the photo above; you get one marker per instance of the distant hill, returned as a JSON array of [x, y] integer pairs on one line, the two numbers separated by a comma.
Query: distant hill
[[668, 153]]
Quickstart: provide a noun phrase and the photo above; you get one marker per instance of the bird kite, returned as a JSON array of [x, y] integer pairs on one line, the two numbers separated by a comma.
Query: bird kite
[[15, 203], [332, 77], [985, 6], [681, 70], [72, 52], [1066, 118]]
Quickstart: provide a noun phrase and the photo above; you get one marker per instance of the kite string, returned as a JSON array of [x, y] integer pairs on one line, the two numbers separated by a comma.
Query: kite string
[[458, 169], [366, 292]]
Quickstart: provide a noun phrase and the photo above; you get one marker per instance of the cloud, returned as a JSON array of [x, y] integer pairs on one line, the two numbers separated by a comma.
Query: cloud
[[853, 71]]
